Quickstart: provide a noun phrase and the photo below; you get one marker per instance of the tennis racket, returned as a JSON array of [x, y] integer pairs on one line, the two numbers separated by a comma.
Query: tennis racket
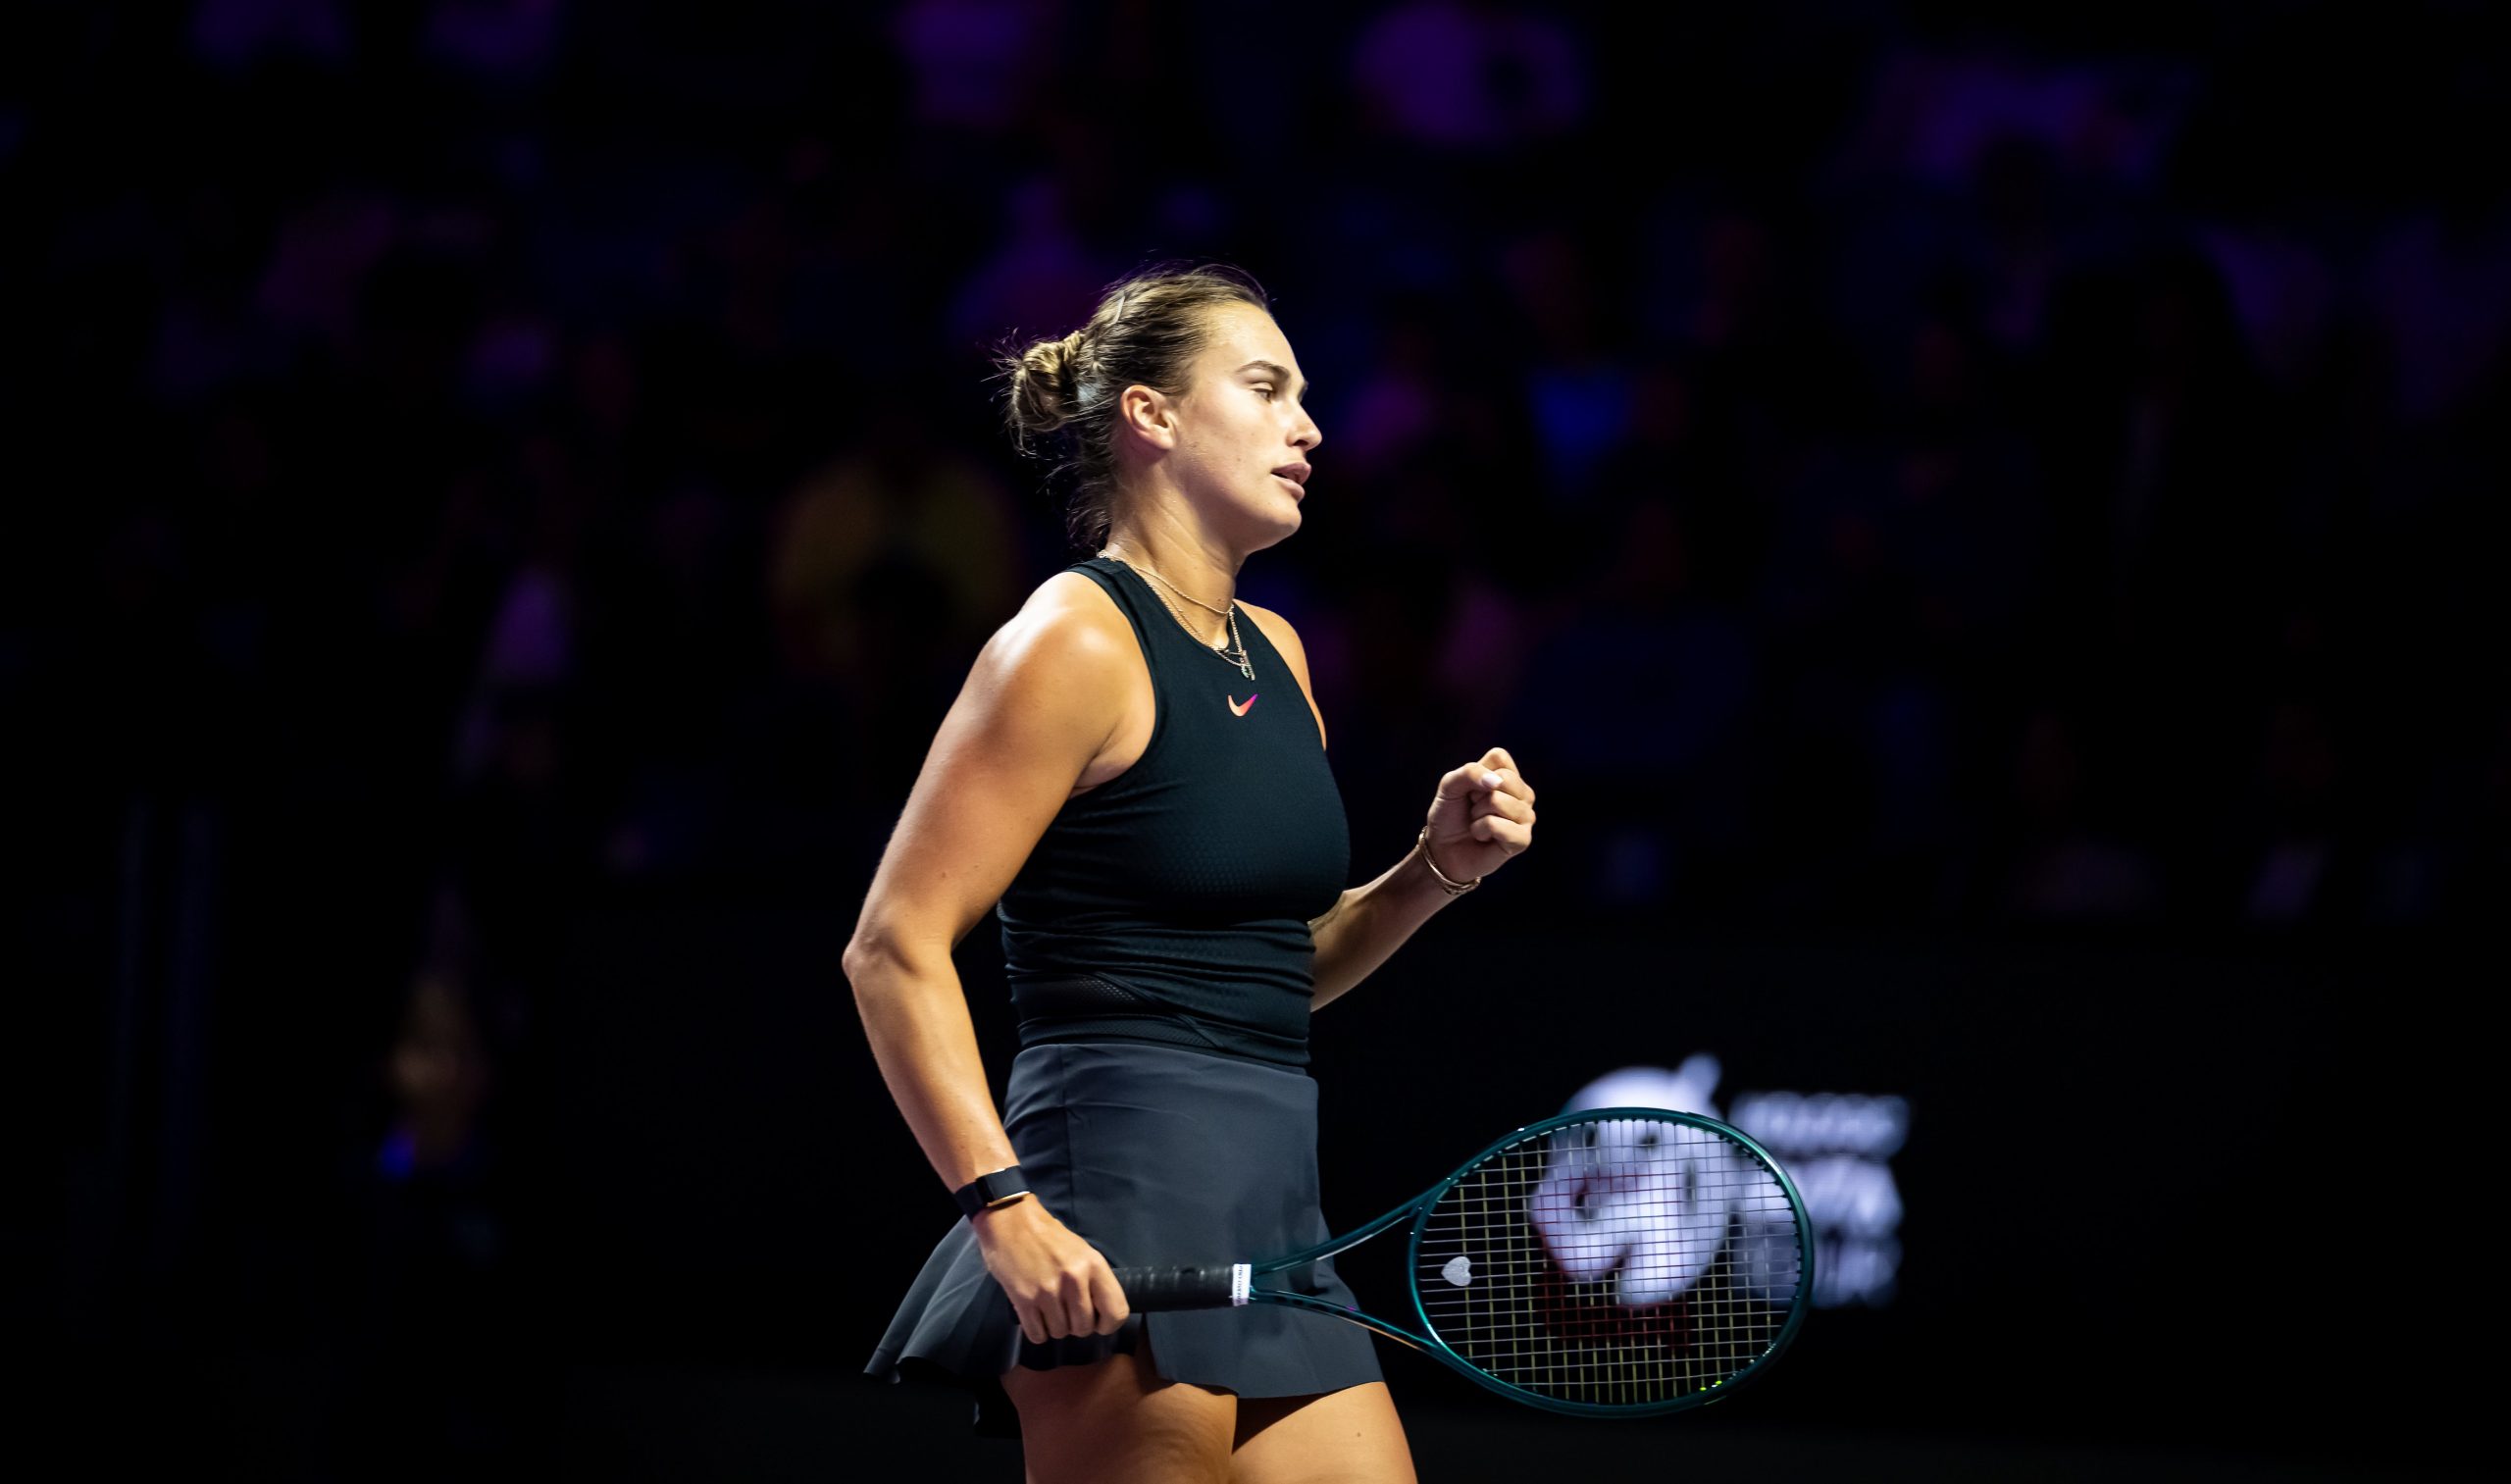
[[1618, 1263]]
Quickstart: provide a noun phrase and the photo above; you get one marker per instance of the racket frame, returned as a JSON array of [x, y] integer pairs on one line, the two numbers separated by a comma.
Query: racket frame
[[1427, 1341]]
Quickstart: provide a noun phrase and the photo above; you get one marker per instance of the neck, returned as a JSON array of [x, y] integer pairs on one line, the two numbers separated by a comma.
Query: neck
[[1189, 567]]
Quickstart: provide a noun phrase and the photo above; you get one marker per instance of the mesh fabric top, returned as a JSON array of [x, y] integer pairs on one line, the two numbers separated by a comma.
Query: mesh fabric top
[[1171, 903]]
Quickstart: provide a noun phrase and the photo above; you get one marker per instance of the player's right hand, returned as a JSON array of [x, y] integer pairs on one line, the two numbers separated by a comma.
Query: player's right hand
[[1060, 1285]]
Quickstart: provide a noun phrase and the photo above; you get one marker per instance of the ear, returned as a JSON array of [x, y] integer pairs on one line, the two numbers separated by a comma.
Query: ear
[[1147, 414]]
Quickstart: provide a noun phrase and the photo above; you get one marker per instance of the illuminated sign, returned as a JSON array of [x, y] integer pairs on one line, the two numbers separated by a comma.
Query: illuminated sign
[[1837, 1147], [1655, 1205]]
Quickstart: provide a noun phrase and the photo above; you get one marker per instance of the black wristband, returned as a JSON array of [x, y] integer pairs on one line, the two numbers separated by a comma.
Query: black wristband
[[985, 1192]]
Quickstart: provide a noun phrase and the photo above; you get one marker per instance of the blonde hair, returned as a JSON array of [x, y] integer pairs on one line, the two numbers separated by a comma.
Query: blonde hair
[[1062, 392]]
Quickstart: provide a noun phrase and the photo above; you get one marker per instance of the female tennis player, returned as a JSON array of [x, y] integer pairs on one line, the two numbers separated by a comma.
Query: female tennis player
[[1134, 776]]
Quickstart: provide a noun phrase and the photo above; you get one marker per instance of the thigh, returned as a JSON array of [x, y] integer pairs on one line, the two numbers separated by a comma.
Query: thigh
[[1119, 1422], [1350, 1436]]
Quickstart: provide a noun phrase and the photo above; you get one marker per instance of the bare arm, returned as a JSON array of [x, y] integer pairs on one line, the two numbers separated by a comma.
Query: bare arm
[[1367, 924], [1042, 698]]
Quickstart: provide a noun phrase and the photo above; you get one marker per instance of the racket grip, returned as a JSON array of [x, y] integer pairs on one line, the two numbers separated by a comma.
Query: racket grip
[[1149, 1290]]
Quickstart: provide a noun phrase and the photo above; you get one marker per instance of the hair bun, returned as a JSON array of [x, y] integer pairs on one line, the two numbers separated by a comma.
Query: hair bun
[[1045, 386]]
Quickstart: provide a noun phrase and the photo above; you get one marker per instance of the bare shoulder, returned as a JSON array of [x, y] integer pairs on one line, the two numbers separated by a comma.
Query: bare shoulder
[[1046, 695], [1067, 648], [1277, 628], [1286, 638], [1074, 652]]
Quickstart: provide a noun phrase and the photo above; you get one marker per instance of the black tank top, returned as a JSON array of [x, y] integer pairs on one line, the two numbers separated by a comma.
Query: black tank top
[[1171, 903]]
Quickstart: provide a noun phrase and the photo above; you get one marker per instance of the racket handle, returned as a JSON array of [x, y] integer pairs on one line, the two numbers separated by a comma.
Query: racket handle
[[1149, 1290]]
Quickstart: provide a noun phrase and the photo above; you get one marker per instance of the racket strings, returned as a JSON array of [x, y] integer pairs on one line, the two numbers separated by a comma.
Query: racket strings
[[1615, 1261]]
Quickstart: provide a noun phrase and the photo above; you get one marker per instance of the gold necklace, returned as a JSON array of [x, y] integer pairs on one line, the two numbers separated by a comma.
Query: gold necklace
[[1235, 654]]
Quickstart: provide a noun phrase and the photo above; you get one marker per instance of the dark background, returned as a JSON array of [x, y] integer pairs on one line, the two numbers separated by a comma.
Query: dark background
[[1982, 527]]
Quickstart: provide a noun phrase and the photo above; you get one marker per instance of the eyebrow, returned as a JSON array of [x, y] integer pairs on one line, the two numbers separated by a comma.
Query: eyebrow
[[1277, 372]]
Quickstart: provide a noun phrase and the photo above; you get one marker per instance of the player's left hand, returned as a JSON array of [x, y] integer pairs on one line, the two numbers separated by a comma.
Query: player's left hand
[[1483, 814]]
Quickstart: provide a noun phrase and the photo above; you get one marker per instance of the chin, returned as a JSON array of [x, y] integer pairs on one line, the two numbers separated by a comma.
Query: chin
[[1258, 521], [1266, 521], [1273, 529]]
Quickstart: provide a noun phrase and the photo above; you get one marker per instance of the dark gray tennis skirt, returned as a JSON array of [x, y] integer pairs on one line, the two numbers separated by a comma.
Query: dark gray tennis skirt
[[1157, 1155]]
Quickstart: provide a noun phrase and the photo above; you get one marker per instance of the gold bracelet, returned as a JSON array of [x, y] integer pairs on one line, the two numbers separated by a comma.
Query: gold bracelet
[[1451, 888]]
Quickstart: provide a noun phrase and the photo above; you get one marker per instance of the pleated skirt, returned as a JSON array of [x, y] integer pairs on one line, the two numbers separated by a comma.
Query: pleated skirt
[[1156, 1155]]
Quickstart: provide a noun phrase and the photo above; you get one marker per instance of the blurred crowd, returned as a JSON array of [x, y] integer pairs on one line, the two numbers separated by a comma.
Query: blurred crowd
[[1869, 465]]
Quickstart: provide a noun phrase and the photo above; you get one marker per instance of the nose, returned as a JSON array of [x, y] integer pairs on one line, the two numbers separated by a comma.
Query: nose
[[1307, 434]]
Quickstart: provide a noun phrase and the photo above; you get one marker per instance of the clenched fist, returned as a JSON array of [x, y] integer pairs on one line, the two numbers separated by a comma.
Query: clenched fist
[[1483, 814]]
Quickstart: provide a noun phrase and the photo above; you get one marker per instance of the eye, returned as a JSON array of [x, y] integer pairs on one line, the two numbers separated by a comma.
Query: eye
[[1267, 391]]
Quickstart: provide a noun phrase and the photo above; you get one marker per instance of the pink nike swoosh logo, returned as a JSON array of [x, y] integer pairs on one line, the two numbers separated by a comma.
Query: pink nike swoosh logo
[[1234, 710]]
